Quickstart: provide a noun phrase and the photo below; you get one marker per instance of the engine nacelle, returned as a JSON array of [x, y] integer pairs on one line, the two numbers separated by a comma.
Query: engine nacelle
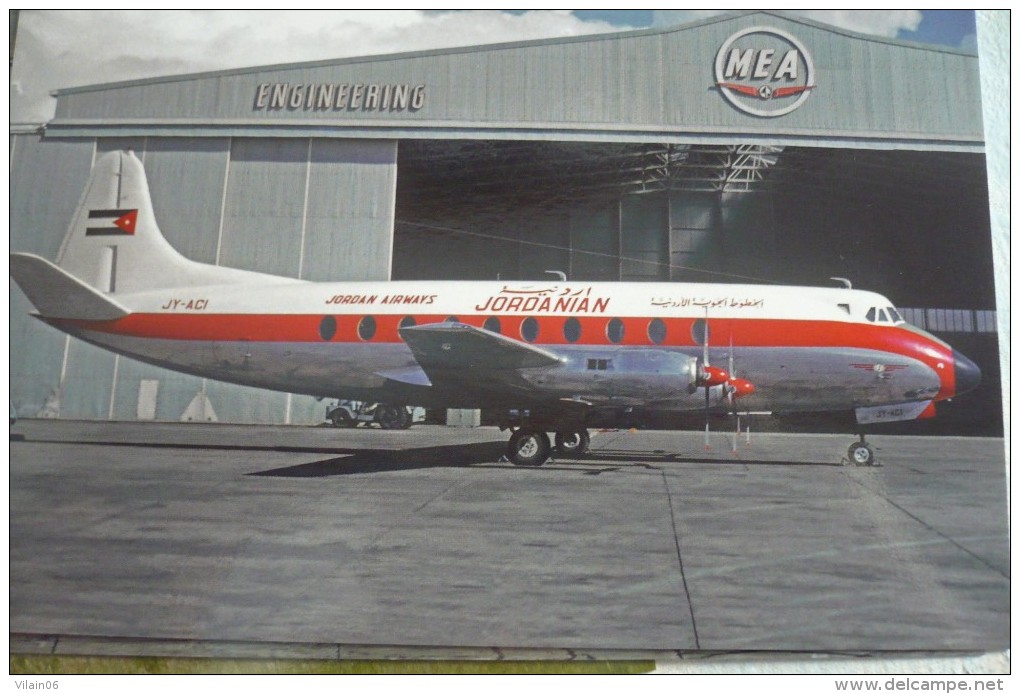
[[633, 375]]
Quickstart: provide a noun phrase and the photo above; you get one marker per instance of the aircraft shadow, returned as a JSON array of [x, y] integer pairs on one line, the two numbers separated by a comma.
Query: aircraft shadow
[[490, 454], [722, 459], [362, 461], [193, 446]]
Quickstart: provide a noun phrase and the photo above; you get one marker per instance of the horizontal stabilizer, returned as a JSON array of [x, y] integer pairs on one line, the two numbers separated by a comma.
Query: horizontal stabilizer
[[57, 294], [460, 347]]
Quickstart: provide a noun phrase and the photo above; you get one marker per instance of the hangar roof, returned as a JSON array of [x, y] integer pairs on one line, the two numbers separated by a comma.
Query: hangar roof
[[763, 78]]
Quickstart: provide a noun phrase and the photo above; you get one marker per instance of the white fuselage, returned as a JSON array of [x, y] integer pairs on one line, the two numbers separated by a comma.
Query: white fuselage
[[620, 343]]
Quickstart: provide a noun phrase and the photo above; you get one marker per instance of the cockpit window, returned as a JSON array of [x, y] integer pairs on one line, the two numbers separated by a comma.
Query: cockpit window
[[887, 314], [845, 307], [883, 315]]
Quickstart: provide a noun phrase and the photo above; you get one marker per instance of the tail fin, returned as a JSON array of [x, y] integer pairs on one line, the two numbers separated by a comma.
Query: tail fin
[[114, 244]]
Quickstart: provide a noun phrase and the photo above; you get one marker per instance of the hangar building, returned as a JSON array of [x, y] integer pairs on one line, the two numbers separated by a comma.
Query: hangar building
[[751, 147]]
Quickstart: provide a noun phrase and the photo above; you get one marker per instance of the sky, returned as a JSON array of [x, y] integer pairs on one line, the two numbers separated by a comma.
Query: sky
[[60, 49]]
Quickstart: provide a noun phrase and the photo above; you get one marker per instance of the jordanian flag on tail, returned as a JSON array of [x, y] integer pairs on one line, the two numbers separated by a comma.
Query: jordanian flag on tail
[[112, 222]]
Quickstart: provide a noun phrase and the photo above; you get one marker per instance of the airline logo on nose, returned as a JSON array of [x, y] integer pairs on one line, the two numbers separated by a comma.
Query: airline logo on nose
[[112, 222]]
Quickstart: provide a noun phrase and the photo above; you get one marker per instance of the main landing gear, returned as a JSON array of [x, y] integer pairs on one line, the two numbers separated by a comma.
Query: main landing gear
[[861, 454], [530, 447]]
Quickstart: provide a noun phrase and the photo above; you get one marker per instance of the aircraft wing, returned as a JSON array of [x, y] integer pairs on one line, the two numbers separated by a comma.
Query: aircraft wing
[[463, 356]]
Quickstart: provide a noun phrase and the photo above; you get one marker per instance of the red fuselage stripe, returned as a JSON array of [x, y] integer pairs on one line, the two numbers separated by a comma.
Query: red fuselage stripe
[[594, 331]]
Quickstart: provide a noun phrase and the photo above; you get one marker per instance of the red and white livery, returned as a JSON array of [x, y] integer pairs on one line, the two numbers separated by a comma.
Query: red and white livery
[[558, 351]]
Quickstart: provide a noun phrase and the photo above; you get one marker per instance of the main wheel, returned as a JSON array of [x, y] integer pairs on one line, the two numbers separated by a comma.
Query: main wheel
[[528, 448], [572, 442], [392, 417], [340, 418], [861, 454]]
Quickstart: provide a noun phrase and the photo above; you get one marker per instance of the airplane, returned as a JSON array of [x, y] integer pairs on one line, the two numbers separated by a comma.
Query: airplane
[[557, 353]]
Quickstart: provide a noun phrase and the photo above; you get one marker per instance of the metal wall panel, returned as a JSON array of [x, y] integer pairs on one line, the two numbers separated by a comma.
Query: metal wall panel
[[175, 391], [186, 178], [117, 144], [249, 405], [593, 87], [88, 383], [45, 191], [264, 206], [348, 230], [45, 186]]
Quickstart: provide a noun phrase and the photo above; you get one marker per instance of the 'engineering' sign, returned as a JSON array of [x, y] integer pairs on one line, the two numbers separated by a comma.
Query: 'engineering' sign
[[338, 97]]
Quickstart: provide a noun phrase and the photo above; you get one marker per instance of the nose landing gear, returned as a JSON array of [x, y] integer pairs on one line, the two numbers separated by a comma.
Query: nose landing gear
[[861, 454]]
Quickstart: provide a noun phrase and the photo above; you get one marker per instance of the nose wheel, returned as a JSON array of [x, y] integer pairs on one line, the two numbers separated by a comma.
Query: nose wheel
[[861, 454]]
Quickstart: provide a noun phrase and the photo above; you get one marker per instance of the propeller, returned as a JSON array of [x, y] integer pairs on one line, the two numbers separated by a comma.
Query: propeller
[[730, 390], [733, 387], [710, 376], [737, 388]]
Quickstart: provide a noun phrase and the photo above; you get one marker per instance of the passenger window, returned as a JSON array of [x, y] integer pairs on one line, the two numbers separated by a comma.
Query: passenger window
[[492, 325], [366, 328], [529, 329], [327, 328], [657, 331], [614, 331], [572, 330]]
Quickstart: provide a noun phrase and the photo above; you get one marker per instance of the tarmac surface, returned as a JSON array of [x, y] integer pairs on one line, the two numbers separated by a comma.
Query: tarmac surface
[[129, 538]]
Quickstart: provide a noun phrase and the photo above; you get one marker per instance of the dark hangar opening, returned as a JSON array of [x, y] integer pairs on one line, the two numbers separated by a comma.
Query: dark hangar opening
[[911, 225]]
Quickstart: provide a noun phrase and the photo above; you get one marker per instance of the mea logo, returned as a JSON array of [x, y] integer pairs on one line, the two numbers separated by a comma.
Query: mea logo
[[763, 71]]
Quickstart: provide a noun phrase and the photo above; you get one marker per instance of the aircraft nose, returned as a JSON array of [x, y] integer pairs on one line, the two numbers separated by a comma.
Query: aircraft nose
[[968, 375]]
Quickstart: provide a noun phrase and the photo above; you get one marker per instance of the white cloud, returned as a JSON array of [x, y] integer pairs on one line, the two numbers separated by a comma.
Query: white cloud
[[969, 43], [886, 23], [663, 18], [71, 48]]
